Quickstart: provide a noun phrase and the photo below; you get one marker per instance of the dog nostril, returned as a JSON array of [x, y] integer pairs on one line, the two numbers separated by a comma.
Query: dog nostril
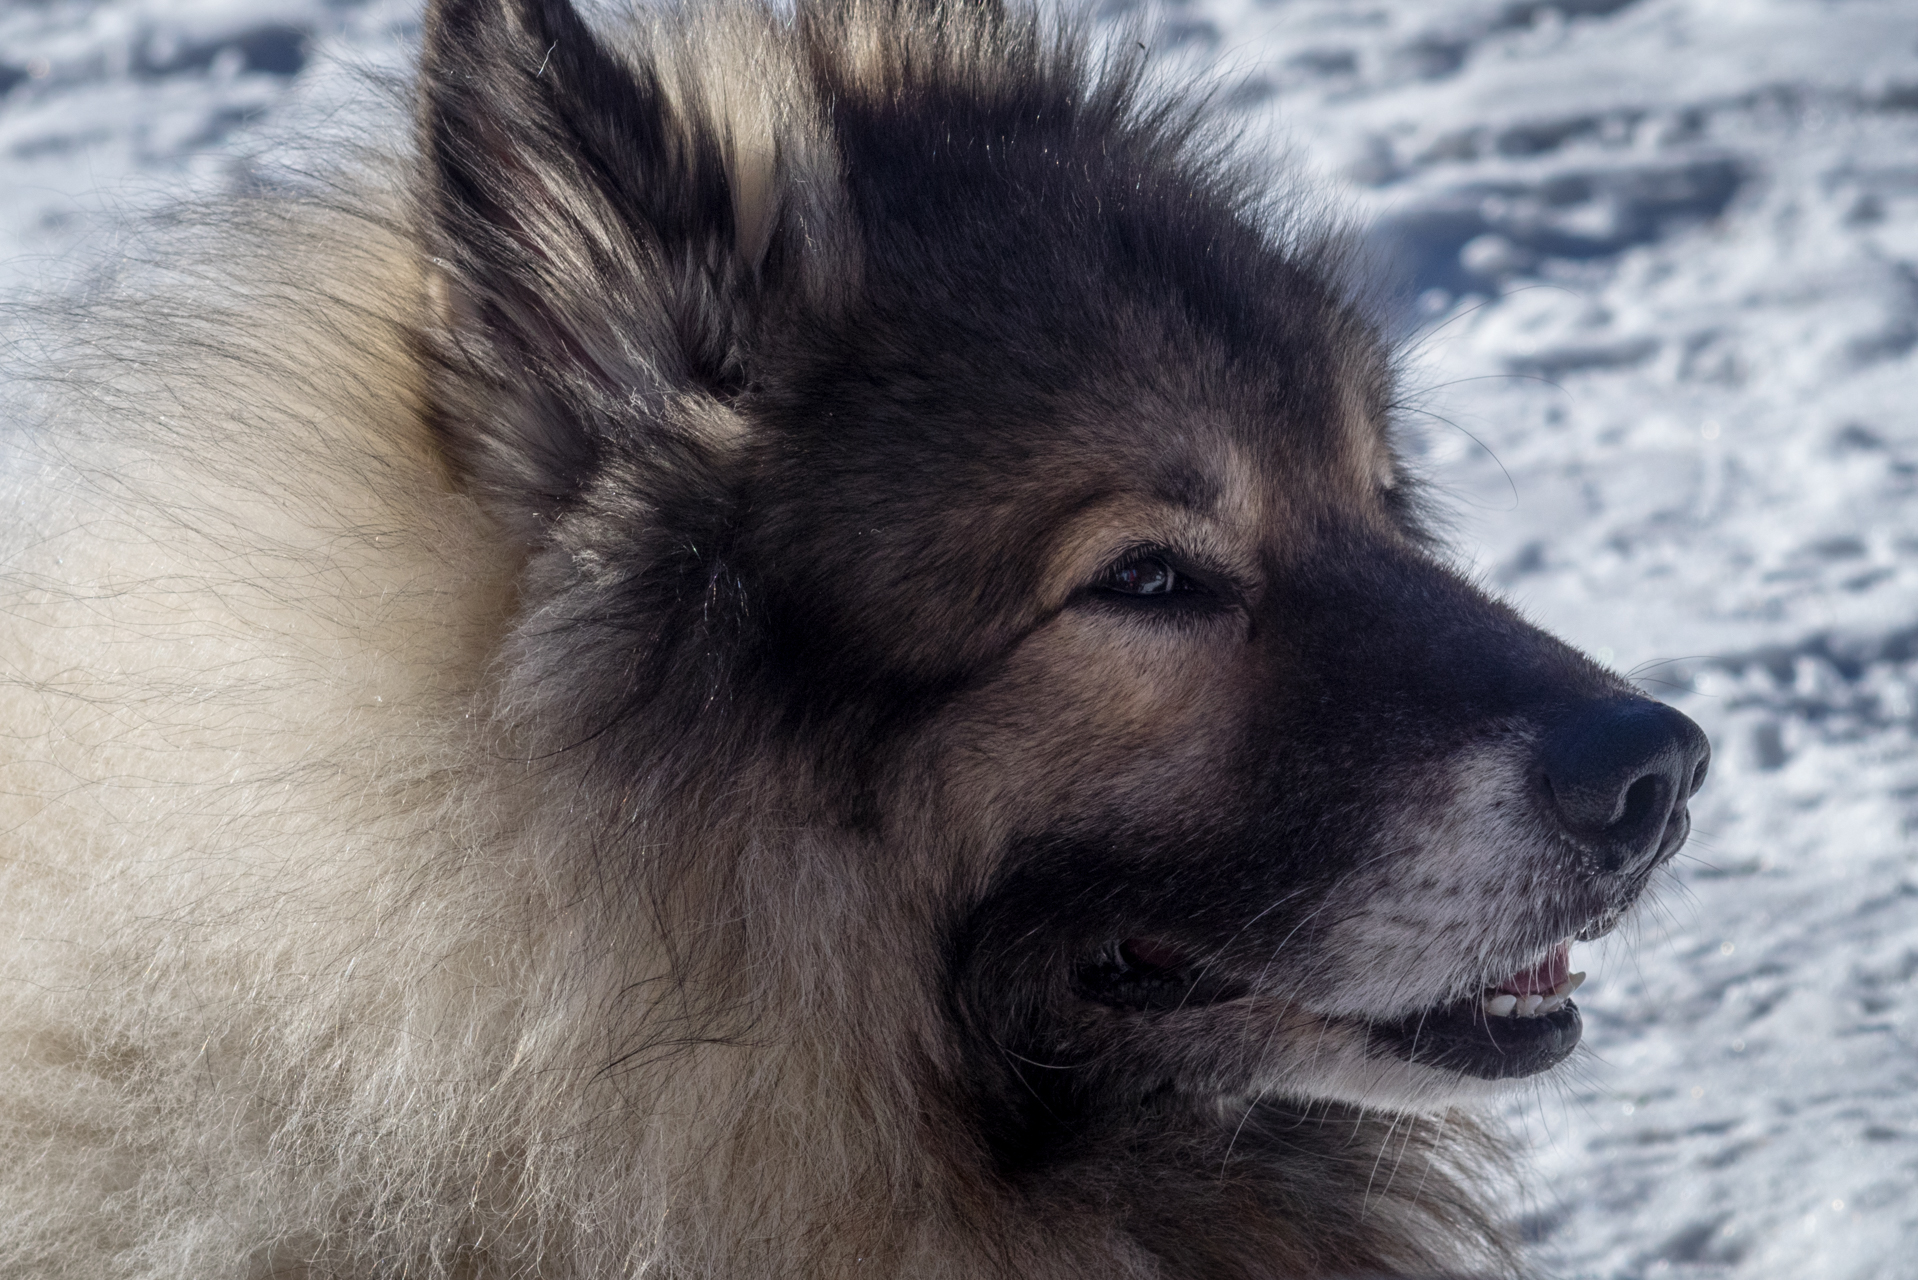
[[1639, 799], [1618, 774]]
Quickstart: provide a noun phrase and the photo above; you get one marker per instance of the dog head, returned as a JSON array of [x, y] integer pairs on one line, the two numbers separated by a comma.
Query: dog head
[[926, 404]]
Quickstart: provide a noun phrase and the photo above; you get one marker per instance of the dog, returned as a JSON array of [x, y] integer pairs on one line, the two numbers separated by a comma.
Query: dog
[[795, 644]]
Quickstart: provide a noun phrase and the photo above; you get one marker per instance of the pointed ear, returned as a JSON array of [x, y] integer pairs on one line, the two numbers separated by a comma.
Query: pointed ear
[[599, 227]]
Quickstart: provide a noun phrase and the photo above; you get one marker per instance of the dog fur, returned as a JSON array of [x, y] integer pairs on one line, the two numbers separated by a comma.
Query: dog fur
[[577, 705]]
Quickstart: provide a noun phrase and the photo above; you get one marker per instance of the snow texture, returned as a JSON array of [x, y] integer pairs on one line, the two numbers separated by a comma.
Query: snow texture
[[1661, 262]]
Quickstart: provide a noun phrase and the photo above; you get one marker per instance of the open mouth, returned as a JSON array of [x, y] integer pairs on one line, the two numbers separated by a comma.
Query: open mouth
[[1518, 1027]]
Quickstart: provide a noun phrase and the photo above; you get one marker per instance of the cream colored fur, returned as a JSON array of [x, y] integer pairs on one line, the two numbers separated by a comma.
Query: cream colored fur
[[294, 978], [246, 626]]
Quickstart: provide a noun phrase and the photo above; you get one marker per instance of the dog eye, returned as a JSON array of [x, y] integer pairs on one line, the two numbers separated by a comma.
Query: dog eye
[[1146, 576]]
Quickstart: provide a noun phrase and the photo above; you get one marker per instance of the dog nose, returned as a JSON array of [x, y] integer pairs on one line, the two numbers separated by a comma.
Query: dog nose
[[1619, 773]]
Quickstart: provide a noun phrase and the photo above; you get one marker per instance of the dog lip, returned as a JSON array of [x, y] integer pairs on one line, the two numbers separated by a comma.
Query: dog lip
[[1463, 1038], [1148, 974], [1153, 953]]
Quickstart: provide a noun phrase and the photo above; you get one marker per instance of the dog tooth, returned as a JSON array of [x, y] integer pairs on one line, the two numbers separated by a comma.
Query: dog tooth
[[1552, 1005], [1568, 986], [1528, 1007], [1501, 1006]]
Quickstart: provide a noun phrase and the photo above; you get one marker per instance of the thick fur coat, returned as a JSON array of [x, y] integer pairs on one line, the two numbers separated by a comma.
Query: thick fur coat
[[793, 645]]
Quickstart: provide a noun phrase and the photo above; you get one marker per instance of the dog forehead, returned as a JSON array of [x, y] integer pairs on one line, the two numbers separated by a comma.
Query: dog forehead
[[1041, 435], [1204, 471], [1253, 457], [1242, 497]]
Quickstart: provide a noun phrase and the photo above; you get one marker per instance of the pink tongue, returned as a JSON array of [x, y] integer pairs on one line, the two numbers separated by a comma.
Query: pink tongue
[[1543, 977]]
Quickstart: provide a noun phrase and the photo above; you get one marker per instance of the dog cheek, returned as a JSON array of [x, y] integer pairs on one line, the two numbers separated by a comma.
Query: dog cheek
[[1082, 725]]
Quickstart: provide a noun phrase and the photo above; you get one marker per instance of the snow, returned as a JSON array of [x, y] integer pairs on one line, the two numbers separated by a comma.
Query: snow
[[1663, 279]]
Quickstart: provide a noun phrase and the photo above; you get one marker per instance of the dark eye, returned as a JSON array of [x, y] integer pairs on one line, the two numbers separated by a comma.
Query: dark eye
[[1146, 576], [1152, 580]]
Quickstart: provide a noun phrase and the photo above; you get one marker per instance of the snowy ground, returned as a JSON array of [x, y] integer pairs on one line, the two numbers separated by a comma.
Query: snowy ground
[[1664, 255]]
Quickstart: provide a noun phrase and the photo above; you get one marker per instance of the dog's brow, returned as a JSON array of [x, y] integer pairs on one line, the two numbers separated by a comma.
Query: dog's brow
[[1187, 485]]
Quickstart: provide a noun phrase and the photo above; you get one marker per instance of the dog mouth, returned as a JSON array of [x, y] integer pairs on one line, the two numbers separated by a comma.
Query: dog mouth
[[1518, 1026]]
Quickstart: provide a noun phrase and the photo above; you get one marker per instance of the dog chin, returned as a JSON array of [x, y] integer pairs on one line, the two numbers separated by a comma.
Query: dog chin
[[1346, 1065], [1455, 1053], [1394, 1086]]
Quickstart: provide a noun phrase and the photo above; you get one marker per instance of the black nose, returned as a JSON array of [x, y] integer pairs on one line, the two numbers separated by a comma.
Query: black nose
[[1619, 774]]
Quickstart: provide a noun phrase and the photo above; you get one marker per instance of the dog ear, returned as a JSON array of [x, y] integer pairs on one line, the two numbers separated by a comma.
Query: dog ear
[[599, 225]]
